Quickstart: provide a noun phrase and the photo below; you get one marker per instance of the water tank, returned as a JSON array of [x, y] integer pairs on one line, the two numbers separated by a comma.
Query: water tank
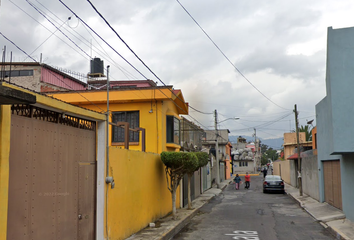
[[96, 66]]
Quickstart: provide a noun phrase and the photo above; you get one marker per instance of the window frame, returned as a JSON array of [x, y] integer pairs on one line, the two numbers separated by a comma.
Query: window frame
[[172, 128], [117, 133]]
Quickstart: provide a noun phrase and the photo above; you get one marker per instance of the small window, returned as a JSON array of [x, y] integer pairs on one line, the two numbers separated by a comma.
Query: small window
[[132, 117], [172, 130], [16, 73]]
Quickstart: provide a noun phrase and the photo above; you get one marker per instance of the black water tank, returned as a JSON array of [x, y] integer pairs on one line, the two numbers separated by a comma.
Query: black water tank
[[96, 66]]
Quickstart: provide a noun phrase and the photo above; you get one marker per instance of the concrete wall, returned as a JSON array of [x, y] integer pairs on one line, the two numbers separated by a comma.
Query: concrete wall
[[237, 169], [282, 168], [333, 117], [347, 169], [309, 174], [340, 84], [140, 195]]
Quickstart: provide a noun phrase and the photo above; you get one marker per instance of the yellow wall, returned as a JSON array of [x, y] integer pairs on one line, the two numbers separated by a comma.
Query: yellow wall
[[154, 123], [140, 195], [282, 168], [5, 126]]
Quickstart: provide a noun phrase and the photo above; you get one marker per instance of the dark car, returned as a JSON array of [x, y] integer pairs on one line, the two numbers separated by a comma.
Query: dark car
[[273, 183]]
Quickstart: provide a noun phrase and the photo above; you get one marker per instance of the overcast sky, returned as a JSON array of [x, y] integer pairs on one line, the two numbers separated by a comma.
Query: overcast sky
[[279, 46]]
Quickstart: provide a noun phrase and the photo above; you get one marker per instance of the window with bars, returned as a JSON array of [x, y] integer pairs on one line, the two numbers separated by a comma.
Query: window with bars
[[172, 130], [132, 117], [16, 73]]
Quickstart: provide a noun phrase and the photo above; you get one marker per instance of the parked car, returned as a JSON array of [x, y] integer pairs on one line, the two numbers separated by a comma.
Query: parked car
[[273, 183]]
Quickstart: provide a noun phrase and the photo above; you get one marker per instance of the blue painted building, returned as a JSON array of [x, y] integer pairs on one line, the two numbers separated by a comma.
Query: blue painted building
[[335, 123]]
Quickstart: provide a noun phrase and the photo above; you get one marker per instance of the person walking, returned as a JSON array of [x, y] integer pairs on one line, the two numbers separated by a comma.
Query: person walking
[[265, 170], [237, 181], [247, 181]]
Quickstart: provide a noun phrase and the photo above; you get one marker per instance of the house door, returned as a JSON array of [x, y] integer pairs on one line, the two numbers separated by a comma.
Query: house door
[[332, 183], [86, 213], [49, 186]]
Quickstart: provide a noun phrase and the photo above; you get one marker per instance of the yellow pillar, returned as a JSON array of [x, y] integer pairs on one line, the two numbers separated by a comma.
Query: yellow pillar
[[5, 126]]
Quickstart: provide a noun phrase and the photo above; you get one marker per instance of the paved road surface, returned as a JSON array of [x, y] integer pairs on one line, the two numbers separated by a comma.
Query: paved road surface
[[251, 214]]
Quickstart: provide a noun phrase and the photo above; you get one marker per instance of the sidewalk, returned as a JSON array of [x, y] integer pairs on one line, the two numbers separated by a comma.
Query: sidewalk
[[330, 217], [166, 227]]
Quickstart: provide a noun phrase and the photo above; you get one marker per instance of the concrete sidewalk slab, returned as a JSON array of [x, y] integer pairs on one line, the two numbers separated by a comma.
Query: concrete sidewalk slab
[[342, 229], [330, 217]]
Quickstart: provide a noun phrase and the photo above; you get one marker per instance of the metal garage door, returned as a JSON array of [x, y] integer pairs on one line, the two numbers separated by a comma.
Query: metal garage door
[[52, 176], [332, 183]]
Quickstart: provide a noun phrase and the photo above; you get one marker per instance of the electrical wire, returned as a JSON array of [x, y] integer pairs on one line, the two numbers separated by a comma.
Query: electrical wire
[[50, 71], [88, 44], [131, 50], [227, 57], [44, 26], [102, 39]]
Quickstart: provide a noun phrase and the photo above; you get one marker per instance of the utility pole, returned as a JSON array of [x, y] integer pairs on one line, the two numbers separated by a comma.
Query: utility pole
[[298, 151], [217, 149], [256, 152]]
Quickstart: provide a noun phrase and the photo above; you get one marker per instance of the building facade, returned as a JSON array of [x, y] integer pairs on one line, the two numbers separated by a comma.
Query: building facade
[[334, 124]]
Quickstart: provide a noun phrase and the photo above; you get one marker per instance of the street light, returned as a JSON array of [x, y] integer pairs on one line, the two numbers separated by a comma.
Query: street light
[[217, 145], [233, 118]]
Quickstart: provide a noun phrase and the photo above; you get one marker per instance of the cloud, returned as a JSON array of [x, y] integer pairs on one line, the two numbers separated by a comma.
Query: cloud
[[280, 46]]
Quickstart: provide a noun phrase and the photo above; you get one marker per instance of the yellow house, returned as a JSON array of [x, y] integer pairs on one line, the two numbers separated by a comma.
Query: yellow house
[[70, 142], [140, 194], [155, 109]]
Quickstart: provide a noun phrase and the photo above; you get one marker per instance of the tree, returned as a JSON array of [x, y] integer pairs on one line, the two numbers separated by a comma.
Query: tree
[[202, 160], [268, 153], [177, 164], [307, 130]]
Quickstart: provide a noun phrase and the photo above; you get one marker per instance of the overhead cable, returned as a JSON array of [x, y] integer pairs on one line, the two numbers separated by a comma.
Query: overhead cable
[[228, 58], [50, 72]]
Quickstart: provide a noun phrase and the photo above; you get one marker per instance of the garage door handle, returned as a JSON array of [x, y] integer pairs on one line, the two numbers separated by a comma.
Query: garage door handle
[[80, 216]]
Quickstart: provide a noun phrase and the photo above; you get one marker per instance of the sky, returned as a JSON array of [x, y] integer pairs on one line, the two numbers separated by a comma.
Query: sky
[[253, 60]]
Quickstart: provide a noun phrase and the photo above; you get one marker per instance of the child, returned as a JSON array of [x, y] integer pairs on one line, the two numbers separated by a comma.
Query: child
[[247, 180], [237, 181]]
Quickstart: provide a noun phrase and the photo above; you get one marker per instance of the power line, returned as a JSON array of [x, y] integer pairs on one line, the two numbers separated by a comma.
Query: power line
[[50, 71], [59, 29], [228, 58], [131, 50], [103, 39], [88, 44], [44, 27]]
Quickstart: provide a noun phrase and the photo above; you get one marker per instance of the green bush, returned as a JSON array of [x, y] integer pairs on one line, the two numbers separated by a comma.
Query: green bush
[[203, 158], [177, 160]]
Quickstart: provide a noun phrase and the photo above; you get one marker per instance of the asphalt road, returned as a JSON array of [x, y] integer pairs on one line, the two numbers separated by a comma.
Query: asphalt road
[[253, 215]]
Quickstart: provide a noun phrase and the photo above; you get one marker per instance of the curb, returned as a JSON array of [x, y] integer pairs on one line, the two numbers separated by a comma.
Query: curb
[[170, 234], [174, 231], [330, 229], [336, 234]]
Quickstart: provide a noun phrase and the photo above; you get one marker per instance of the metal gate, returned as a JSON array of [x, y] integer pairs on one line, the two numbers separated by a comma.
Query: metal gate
[[206, 175], [332, 183], [52, 176]]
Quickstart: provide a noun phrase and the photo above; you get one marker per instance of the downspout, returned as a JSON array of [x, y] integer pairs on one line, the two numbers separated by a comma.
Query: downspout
[[109, 179]]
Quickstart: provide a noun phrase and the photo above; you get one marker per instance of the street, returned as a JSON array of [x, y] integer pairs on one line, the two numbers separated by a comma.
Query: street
[[251, 214]]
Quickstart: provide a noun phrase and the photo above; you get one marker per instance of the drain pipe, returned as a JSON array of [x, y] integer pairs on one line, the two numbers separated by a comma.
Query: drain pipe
[[109, 179]]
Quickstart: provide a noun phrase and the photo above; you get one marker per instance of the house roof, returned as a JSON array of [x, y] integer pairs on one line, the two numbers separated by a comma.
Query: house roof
[[45, 66], [124, 95], [294, 157]]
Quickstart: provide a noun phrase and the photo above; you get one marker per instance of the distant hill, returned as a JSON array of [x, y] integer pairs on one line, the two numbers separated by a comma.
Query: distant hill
[[275, 143]]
